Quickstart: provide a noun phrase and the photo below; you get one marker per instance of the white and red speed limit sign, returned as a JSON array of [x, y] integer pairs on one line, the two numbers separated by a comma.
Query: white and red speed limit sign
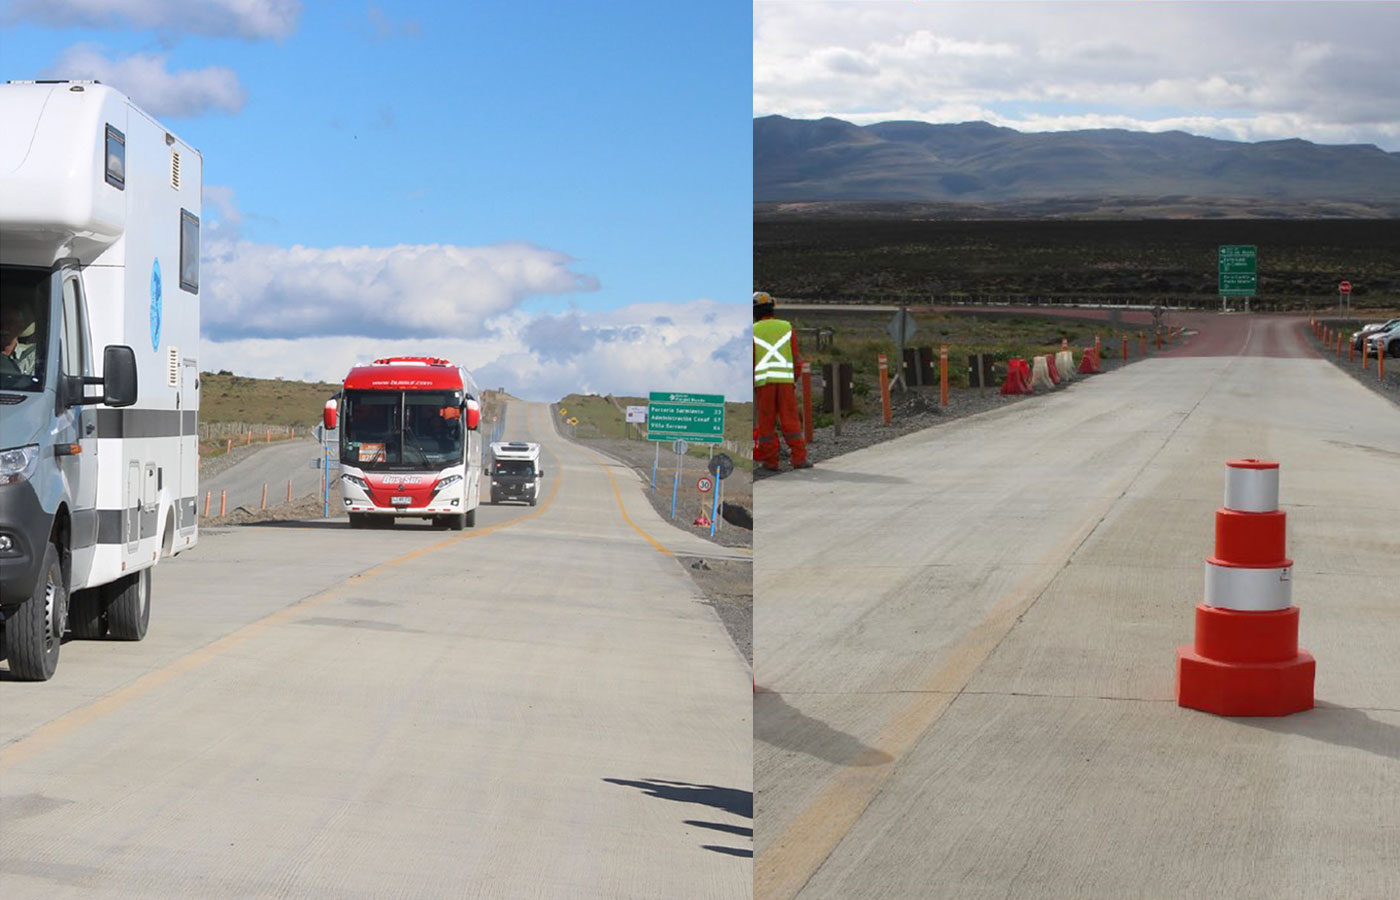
[[704, 485]]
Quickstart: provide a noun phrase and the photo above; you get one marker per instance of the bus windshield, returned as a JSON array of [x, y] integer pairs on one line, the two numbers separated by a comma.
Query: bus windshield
[[24, 327], [401, 429]]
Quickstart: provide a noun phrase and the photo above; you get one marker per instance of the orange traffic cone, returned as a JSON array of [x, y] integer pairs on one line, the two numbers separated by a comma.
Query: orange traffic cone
[[1245, 660]]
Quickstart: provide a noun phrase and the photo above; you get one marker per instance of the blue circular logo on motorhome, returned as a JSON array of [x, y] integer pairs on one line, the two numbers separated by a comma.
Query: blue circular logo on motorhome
[[155, 305]]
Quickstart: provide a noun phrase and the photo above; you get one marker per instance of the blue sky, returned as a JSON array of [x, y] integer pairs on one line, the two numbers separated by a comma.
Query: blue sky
[[585, 162]]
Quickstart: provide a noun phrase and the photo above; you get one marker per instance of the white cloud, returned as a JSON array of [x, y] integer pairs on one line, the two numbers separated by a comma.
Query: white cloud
[[1320, 71], [699, 346], [145, 78], [307, 313], [251, 19], [408, 290], [385, 26], [225, 207]]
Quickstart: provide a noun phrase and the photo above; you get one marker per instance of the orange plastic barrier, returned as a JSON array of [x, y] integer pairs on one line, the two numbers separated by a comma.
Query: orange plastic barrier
[[1018, 377]]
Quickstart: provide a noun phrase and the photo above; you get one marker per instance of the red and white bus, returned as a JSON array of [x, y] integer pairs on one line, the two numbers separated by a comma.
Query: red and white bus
[[410, 443]]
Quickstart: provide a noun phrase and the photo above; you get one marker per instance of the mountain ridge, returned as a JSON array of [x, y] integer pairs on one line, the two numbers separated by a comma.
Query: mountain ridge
[[829, 159]]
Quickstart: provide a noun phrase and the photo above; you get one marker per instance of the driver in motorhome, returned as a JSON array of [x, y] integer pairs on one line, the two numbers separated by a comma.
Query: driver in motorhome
[[15, 358]]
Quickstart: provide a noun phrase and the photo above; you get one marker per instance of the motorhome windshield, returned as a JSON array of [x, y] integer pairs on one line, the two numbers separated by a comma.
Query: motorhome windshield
[[24, 326], [401, 429], [515, 467]]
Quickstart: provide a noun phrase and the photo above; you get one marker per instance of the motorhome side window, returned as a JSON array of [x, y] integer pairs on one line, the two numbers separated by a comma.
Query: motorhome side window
[[72, 347], [189, 251], [116, 158]]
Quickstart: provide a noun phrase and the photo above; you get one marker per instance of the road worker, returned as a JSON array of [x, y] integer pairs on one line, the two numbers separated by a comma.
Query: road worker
[[775, 366]]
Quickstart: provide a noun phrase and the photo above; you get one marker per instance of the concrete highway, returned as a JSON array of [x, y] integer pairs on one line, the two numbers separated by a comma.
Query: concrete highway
[[541, 706], [964, 644]]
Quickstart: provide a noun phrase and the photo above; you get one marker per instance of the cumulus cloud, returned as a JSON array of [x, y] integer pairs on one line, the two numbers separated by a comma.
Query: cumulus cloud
[[146, 78], [250, 19], [1320, 71], [407, 290], [307, 313], [704, 347]]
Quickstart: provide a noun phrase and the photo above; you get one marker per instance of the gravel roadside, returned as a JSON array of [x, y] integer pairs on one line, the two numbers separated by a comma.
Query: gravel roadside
[[1389, 388], [917, 409]]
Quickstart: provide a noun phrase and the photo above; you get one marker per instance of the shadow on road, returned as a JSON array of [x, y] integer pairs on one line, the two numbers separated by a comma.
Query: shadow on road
[[780, 724], [731, 800], [299, 524], [817, 475], [1337, 725]]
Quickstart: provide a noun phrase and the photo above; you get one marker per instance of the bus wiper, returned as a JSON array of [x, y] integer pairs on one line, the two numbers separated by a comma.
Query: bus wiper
[[423, 454]]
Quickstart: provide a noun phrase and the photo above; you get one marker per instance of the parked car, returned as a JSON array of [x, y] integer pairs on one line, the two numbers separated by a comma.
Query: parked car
[[1358, 337], [1387, 341]]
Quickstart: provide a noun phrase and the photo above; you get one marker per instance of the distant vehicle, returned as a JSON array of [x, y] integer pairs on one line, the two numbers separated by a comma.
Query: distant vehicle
[[410, 443], [1358, 337], [515, 472], [99, 288], [1386, 341]]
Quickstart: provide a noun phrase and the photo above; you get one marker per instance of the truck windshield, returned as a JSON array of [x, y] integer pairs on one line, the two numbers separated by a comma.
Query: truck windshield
[[521, 467], [24, 327], [401, 429]]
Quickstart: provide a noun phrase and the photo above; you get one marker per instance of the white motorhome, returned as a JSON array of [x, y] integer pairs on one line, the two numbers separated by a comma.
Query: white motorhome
[[515, 472], [99, 391]]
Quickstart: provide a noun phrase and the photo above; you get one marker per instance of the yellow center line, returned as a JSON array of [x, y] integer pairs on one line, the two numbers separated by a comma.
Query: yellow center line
[[47, 735], [803, 846], [626, 518]]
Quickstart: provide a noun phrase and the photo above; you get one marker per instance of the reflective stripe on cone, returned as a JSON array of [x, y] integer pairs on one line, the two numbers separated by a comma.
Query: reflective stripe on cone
[[1246, 588], [1251, 485]]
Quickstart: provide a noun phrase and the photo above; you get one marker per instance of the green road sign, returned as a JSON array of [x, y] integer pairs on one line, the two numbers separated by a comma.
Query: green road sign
[[698, 418], [1237, 270]]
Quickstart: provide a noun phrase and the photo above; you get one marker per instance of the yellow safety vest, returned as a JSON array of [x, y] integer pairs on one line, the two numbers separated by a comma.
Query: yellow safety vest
[[772, 352]]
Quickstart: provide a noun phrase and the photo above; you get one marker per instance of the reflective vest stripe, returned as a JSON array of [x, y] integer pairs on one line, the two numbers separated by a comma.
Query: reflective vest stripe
[[773, 340]]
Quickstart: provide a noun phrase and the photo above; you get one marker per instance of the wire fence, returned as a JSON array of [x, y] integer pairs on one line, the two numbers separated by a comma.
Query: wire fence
[[217, 431]]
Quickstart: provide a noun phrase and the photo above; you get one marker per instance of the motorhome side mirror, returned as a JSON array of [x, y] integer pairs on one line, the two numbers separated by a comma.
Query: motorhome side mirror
[[330, 414], [473, 414], [118, 375]]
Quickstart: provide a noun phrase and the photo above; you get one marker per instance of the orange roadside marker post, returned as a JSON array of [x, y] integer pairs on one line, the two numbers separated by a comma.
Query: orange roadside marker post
[[264, 499], [1380, 362], [223, 502], [228, 446], [1159, 338], [208, 498], [1124, 337], [807, 400], [1098, 349], [289, 490], [885, 388], [1351, 351], [1365, 356], [943, 375]]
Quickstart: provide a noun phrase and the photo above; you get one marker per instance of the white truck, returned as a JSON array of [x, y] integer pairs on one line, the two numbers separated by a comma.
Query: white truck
[[99, 294], [515, 472]]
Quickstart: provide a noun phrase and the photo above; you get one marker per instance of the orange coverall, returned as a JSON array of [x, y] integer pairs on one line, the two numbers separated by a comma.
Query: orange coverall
[[777, 406]]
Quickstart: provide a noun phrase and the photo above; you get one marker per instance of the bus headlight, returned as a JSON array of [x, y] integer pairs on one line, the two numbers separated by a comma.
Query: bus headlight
[[357, 481], [448, 482], [18, 464]]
